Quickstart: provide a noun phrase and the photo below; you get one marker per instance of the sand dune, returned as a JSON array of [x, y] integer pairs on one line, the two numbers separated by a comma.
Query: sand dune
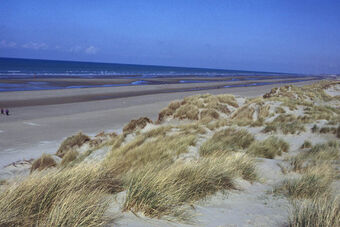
[[205, 160]]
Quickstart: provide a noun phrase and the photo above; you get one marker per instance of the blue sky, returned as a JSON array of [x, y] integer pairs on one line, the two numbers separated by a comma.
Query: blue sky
[[280, 36]]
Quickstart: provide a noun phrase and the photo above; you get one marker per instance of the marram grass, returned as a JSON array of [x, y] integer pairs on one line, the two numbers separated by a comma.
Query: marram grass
[[229, 139], [321, 212], [158, 192], [268, 148], [76, 194]]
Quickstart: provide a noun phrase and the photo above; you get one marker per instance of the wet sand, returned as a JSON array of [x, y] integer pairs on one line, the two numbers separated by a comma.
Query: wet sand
[[40, 120], [62, 96]]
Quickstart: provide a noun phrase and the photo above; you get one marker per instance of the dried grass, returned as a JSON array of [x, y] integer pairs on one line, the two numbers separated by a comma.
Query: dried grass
[[244, 113], [144, 150], [40, 198], [140, 123], [71, 142], [230, 139], [279, 110], [69, 157], [209, 114], [264, 111], [228, 99], [269, 148], [187, 112], [313, 183], [325, 130], [323, 212], [306, 144], [44, 162], [287, 123], [318, 154], [158, 191]]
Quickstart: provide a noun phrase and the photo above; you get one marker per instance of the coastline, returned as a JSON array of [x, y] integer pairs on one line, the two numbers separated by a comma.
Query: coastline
[[243, 145], [37, 83], [33, 129], [83, 94]]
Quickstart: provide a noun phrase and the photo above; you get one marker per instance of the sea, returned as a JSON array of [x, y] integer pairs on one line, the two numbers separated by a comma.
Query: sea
[[29, 71]]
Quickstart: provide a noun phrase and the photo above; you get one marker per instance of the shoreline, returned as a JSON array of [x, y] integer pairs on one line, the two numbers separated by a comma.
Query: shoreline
[[44, 126], [41, 84], [249, 145], [72, 95]]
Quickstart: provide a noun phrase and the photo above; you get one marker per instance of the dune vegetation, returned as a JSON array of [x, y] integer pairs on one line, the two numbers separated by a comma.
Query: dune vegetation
[[158, 191], [64, 197], [199, 147], [229, 139], [314, 182], [324, 211], [269, 147], [44, 162], [72, 141]]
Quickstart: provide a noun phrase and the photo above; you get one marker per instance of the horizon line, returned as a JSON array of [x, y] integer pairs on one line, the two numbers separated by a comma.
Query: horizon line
[[99, 62]]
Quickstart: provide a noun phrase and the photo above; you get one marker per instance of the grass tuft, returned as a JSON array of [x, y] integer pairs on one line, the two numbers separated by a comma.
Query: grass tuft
[[134, 124], [280, 110], [165, 192], [187, 112], [228, 99], [44, 162], [40, 198], [209, 114], [287, 123], [243, 114], [315, 129], [270, 128], [306, 144], [325, 130], [230, 139], [313, 183], [323, 212], [69, 157], [144, 150], [70, 142], [325, 151], [79, 208], [316, 155], [264, 111], [268, 148]]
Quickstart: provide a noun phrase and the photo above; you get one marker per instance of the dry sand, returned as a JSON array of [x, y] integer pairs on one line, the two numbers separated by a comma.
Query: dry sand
[[34, 127]]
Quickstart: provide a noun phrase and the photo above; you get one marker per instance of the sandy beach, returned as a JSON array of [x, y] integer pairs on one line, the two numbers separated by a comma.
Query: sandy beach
[[40, 120], [209, 160], [170, 113]]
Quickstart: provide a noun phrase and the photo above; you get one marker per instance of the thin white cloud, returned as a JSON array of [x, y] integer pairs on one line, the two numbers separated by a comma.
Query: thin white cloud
[[35, 46], [7, 44], [91, 50], [76, 49]]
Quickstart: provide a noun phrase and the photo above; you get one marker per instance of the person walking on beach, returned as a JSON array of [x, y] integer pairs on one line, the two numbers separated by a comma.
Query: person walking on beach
[[7, 112], [2, 111]]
